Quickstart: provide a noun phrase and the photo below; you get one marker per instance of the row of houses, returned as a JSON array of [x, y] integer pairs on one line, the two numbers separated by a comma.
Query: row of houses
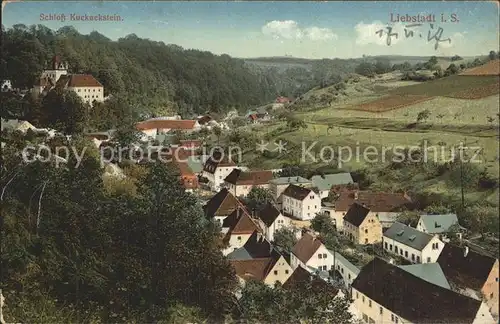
[[380, 291]]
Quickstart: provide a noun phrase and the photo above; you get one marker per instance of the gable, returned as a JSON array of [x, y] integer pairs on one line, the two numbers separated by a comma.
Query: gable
[[369, 219]]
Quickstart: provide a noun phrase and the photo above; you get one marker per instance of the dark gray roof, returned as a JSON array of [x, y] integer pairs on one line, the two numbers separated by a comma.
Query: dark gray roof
[[356, 214], [408, 236], [412, 298]]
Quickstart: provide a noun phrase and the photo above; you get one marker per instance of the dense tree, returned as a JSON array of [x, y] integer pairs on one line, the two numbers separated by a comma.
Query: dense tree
[[304, 303], [259, 196], [285, 238], [73, 253]]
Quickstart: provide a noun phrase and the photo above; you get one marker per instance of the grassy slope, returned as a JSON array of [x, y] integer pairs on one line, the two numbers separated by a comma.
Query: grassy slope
[[362, 129]]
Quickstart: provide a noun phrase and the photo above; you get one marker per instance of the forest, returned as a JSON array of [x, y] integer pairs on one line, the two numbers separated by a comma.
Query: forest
[[151, 76]]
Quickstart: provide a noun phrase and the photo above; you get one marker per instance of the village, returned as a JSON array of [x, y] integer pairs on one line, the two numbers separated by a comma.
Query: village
[[391, 272]]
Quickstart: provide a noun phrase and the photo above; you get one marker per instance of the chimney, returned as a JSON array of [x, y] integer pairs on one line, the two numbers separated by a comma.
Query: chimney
[[466, 251]]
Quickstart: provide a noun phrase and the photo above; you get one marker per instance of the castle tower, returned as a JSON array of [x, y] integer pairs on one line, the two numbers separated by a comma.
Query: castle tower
[[57, 68]]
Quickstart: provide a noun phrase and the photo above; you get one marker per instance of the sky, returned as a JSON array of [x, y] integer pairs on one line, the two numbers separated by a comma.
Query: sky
[[261, 29]]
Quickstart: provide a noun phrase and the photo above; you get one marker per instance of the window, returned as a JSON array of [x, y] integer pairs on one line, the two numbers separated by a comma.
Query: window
[[286, 271], [325, 268], [366, 231], [380, 310], [392, 317], [491, 295], [342, 270], [275, 272], [363, 298], [308, 207], [369, 303], [324, 255], [78, 90], [390, 247], [239, 238], [413, 257], [428, 260], [406, 253], [418, 259], [357, 295], [349, 276], [496, 279], [401, 251], [315, 206], [385, 245], [396, 319], [320, 256], [366, 241], [396, 249], [312, 197]]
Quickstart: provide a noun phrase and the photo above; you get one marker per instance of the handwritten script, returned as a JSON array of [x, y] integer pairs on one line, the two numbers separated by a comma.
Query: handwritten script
[[435, 35]]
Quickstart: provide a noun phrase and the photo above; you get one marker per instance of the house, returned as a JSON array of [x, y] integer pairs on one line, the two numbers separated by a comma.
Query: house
[[240, 226], [438, 224], [361, 226], [216, 169], [344, 269], [473, 274], [309, 251], [188, 178], [386, 206], [240, 183], [258, 248], [412, 245], [253, 118], [221, 205], [86, 86], [300, 202], [271, 219], [385, 293], [278, 185], [324, 183], [152, 127]]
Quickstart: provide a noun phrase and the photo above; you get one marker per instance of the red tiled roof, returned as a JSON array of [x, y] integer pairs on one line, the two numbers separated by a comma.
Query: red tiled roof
[[245, 225], [305, 248], [253, 117], [375, 201], [251, 269], [166, 124], [83, 80]]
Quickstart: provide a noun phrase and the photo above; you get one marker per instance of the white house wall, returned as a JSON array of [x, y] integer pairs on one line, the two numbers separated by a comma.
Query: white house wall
[[236, 241], [426, 251]]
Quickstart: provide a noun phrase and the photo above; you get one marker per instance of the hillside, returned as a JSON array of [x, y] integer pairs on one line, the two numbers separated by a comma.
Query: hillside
[[150, 75]]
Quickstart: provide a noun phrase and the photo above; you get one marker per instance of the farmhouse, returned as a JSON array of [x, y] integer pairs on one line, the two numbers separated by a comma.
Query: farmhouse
[[309, 251], [412, 245], [326, 182], [386, 206], [240, 227], [221, 205], [474, 274], [302, 203], [361, 226], [439, 224], [385, 293], [278, 185], [216, 169], [240, 183], [152, 127], [271, 219], [258, 248]]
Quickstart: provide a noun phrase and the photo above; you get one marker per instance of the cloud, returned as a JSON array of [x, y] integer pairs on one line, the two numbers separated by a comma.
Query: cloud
[[367, 33], [456, 40], [289, 29]]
